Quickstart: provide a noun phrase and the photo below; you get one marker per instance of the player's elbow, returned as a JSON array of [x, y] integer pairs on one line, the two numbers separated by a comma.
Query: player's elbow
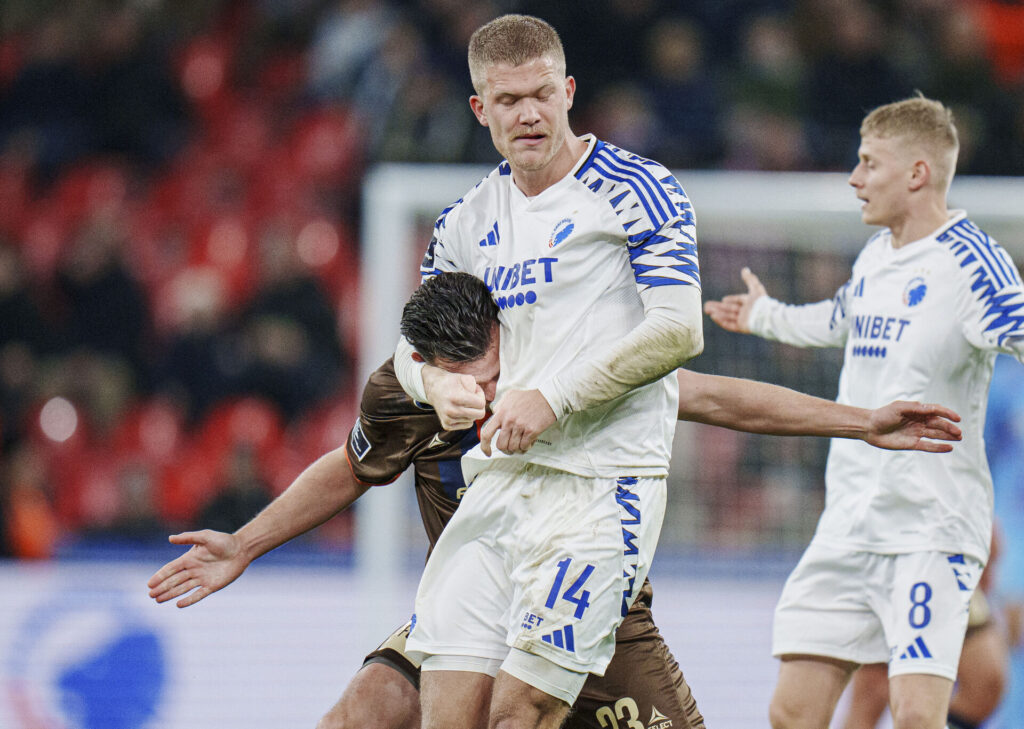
[[689, 343]]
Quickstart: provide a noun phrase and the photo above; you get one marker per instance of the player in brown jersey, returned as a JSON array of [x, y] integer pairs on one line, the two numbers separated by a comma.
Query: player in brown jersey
[[643, 684]]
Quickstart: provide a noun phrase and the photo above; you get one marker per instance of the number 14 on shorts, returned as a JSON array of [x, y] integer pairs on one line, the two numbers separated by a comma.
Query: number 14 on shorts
[[575, 593]]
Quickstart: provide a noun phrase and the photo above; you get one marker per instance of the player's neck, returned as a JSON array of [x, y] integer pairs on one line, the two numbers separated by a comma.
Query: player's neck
[[534, 182], [919, 223]]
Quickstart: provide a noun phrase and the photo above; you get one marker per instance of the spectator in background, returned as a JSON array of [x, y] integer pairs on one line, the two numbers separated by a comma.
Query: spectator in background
[[199, 364], [242, 495], [960, 73], [48, 102], [136, 516], [105, 309], [346, 42], [685, 95], [131, 64], [430, 125], [623, 112], [291, 351], [398, 59], [764, 125], [26, 504], [850, 72], [25, 336]]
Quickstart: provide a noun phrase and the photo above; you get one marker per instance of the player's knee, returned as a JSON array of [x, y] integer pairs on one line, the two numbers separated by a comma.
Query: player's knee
[[782, 714], [527, 708], [347, 716], [379, 697], [917, 715], [785, 713], [533, 715]]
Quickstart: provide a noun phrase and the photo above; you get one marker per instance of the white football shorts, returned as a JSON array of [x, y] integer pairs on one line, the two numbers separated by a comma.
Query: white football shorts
[[540, 560], [907, 610]]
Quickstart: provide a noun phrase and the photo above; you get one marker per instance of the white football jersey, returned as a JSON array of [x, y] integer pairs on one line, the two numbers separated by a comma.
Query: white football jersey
[[922, 322], [568, 269]]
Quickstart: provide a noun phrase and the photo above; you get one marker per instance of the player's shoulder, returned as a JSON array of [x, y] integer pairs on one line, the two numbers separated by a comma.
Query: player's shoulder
[[636, 187], [383, 395], [486, 188], [975, 254]]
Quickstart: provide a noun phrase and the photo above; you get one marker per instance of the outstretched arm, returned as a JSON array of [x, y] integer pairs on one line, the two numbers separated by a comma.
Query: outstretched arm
[[759, 407], [217, 559], [821, 324]]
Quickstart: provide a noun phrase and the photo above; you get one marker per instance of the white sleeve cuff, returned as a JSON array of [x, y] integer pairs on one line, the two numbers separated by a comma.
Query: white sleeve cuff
[[759, 315], [409, 371]]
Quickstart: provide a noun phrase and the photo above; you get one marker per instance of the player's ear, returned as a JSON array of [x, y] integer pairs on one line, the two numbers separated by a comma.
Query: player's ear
[[417, 357], [920, 175], [570, 90], [477, 105]]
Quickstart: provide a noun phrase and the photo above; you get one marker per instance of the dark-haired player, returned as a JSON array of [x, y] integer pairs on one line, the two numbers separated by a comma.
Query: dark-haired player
[[452, 322]]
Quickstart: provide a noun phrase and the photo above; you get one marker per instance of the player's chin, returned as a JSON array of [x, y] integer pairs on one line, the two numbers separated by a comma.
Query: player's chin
[[531, 159]]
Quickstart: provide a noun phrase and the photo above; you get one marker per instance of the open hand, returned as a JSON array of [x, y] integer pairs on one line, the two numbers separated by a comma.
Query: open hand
[[214, 561], [905, 426], [733, 311]]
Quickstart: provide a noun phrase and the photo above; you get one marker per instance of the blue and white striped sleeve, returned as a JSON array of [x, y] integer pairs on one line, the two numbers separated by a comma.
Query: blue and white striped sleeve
[[990, 296], [660, 234], [439, 256], [667, 255]]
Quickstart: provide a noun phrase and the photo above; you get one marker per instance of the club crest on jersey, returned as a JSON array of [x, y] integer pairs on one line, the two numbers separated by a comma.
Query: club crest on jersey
[[914, 293], [562, 231]]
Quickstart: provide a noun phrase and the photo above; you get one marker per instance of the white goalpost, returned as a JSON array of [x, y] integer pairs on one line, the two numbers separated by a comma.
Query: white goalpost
[[796, 211]]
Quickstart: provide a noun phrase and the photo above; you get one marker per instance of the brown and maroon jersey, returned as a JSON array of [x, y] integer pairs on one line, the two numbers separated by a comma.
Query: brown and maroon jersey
[[394, 432]]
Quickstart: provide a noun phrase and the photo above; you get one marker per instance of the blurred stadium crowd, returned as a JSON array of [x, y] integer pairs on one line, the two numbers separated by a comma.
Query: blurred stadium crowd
[[179, 204]]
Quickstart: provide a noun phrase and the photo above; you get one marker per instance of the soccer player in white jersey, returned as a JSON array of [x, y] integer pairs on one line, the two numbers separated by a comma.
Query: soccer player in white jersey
[[903, 538], [590, 252]]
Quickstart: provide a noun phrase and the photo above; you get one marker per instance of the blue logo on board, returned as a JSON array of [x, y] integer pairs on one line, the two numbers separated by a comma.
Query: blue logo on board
[[914, 293], [86, 663], [562, 231]]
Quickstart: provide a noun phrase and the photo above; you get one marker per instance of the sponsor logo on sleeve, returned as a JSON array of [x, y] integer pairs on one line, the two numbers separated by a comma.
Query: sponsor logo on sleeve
[[359, 442]]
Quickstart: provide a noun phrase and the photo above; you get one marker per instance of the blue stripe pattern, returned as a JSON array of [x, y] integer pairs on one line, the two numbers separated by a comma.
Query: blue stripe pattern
[[994, 279], [966, 236], [839, 304], [654, 212]]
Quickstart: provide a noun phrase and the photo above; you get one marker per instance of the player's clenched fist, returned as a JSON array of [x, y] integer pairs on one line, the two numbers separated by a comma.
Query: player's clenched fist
[[458, 400]]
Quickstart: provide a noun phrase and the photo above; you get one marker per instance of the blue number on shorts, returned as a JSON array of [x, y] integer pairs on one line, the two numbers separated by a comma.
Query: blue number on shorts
[[582, 599], [920, 613]]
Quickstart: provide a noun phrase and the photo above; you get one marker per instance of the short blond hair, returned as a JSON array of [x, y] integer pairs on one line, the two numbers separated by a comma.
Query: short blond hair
[[514, 40], [923, 122]]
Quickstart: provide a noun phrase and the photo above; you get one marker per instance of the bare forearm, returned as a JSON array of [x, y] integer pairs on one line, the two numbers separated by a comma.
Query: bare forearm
[[759, 407], [326, 487]]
